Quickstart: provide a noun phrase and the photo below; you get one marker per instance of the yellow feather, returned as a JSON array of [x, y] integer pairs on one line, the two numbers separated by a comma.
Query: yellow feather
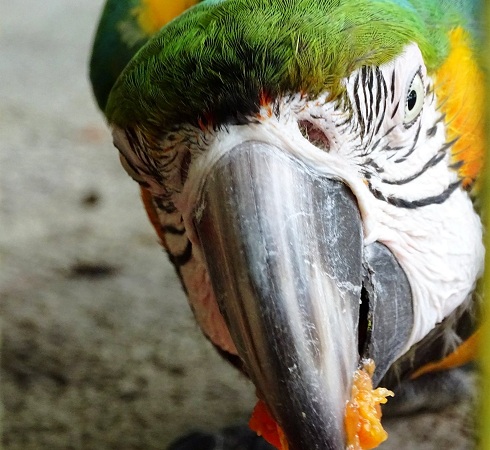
[[460, 90], [154, 14], [465, 353]]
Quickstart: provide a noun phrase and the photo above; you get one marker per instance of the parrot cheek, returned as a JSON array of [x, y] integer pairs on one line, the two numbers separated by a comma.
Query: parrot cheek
[[303, 299]]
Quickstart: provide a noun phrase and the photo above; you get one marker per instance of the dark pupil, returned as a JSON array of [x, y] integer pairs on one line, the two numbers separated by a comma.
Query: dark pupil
[[411, 99]]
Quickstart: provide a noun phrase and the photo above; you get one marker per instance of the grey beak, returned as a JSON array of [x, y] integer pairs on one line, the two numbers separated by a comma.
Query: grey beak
[[284, 249]]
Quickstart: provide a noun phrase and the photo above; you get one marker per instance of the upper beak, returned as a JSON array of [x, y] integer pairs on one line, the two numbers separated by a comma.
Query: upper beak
[[305, 300]]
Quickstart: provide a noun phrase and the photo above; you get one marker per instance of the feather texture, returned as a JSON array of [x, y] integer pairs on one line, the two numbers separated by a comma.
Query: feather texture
[[124, 27], [221, 56]]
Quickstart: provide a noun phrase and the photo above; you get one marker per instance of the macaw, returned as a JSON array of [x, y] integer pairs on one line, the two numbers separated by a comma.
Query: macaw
[[311, 168]]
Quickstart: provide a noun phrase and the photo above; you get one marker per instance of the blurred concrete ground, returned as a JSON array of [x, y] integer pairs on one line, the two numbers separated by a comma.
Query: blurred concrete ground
[[99, 347]]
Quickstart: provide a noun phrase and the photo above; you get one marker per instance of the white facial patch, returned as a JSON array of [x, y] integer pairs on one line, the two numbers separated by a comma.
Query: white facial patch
[[387, 141]]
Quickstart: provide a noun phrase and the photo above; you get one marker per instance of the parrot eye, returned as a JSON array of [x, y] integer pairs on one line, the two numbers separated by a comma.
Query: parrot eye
[[415, 100]]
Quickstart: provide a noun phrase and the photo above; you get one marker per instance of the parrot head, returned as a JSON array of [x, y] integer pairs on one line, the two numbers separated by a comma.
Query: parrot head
[[308, 168]]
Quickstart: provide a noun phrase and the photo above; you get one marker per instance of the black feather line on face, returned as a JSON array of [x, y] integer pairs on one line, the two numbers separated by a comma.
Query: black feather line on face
[[413, 204], [431, 163], [183, 258]]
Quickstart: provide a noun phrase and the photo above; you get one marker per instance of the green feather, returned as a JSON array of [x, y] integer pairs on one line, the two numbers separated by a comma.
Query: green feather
[[484, 395], [117, 39], [218, 58]]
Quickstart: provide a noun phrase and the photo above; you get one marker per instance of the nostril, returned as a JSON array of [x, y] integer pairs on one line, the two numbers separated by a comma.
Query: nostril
[[314, 134]]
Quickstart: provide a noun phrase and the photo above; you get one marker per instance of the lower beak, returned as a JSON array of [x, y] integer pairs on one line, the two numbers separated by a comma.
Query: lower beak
[[302, 296]]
